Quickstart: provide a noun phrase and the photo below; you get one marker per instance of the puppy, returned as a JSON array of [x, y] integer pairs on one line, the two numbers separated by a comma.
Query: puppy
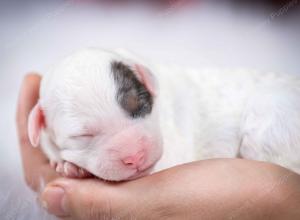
[[111, 115]]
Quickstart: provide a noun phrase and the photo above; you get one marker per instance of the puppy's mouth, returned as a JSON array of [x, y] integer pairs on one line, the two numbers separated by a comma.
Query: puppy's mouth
[[137, 174], [140, 173]]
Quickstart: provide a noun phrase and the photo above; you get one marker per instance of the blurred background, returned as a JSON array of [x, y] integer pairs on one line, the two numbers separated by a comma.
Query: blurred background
[[261, 35]]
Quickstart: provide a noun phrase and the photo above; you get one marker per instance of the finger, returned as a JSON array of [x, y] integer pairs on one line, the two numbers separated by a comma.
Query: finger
[[178, 192], [35, 164], [81, 199], [28, 97]]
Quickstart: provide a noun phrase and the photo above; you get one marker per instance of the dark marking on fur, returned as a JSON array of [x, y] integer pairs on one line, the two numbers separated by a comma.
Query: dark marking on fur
[[132, 95]]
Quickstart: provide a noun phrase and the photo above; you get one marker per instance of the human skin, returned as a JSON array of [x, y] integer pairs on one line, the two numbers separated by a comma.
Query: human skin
[[211, 189]]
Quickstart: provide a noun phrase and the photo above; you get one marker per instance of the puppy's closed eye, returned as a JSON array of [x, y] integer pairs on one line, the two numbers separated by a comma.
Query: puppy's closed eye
[[82, 136]]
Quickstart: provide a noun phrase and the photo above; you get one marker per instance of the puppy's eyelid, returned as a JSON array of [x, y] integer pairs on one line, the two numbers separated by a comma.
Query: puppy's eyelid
[[82, 136], [87, 135]]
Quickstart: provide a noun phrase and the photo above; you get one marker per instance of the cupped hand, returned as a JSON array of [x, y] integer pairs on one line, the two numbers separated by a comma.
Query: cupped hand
[[212, 189]]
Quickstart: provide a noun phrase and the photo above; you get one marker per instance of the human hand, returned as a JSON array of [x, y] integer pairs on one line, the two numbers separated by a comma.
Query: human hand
[[212, 189]]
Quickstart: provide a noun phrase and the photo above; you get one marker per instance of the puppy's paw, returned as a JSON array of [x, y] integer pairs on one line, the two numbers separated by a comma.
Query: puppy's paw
[[70, 170]]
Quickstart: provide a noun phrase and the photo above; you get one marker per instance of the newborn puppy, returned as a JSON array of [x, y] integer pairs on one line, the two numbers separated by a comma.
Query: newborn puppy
[[96, 110], [103, 113]]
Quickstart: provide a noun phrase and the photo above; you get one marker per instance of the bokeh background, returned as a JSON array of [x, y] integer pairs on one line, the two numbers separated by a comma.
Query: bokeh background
[[261, 35]]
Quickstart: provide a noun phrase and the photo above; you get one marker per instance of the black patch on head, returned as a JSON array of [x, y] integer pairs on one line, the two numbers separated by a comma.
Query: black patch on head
[[132, 95]]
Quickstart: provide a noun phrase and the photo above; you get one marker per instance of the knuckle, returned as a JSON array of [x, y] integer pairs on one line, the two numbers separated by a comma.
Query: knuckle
[[31, 183]]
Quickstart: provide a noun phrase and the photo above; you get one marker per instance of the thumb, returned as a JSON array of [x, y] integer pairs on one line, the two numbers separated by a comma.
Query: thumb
[[81, 199]]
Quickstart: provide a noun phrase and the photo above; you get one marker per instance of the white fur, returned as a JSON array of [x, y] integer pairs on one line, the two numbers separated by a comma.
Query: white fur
[[79, 97], [199, 114], [230, 113]]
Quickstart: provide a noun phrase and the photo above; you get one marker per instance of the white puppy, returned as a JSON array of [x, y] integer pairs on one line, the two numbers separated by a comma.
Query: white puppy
[[113, 115]]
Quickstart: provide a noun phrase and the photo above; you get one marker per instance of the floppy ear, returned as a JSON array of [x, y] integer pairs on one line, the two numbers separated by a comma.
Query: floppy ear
[[147, 78], [35, 124]]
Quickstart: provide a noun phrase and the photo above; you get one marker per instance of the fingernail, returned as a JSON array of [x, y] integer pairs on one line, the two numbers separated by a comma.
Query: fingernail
[[53, 200]]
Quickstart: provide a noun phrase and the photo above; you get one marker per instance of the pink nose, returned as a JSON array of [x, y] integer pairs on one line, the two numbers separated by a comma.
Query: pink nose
[[134, 161]]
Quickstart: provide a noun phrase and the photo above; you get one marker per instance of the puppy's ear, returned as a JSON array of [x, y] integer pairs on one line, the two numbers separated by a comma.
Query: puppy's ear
[[145, 76], [142, 72], [35, 124]]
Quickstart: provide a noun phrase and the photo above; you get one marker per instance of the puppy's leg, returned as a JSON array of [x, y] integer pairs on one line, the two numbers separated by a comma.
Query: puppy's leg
[[70, 170], [64, 168]]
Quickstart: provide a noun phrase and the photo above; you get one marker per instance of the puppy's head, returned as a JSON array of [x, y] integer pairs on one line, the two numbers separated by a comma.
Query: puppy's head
[[100, 110]]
